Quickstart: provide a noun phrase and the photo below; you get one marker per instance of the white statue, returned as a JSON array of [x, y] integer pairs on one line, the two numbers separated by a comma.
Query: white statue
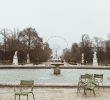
[[28, 60], [15, 58], [82, 58], [95, 62]]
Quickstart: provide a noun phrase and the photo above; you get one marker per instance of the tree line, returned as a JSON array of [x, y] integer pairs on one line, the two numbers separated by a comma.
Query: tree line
[[26, 41], [87, 46]]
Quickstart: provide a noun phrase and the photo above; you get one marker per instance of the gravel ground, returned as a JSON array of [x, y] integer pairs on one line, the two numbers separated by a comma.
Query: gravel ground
[[7, 93]]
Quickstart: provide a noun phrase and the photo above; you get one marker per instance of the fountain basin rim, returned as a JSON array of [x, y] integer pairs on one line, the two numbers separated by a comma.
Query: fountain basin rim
[[48, 85], [51, 67]]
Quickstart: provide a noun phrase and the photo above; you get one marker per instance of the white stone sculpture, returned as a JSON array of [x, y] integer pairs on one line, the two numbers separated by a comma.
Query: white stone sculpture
[[82, 58], [15, 58], [95, 62], [28, 60]]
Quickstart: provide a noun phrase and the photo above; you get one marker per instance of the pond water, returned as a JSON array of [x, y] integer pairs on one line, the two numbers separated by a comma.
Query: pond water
[[46, 75]]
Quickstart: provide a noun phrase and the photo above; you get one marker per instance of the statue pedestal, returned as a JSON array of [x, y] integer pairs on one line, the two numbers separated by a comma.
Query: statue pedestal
[[95, 62], [28, 61]]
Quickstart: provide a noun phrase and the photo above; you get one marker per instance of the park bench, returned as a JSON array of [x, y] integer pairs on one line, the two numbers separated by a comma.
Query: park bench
[[26, 87]]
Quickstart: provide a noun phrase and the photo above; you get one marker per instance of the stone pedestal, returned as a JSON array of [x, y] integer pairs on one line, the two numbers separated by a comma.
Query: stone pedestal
[[56, 70]]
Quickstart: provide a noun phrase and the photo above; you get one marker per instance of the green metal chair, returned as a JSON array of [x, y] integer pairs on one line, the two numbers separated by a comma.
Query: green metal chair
[[99, 79], [26, 87], [87, 83], [81, 83]]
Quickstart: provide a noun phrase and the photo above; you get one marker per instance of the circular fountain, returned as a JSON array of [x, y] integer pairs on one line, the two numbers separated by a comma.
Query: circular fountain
[[57, 70], [57, 51]]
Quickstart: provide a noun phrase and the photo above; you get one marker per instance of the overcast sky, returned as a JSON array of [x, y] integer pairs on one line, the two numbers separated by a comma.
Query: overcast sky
[[66, 18]]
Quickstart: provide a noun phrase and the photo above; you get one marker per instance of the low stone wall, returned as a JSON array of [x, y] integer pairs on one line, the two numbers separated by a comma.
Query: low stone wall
[[50, 67]]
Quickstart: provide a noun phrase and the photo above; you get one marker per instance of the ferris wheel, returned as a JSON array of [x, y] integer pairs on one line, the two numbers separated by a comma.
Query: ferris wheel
[[57, 44]]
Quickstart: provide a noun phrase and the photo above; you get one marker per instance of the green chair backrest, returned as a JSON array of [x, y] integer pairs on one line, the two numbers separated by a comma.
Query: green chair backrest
[[89, 76], [86, 76], [98, 77], [27, 83]]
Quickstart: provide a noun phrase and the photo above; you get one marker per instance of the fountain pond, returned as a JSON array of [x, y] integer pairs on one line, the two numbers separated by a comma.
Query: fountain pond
[[10, 76]]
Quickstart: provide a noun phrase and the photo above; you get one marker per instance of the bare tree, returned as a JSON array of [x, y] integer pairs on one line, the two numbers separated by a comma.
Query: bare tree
[[67, 55], [75, 53], [100, 48], [86, 48], [5, 34], [29, 37]]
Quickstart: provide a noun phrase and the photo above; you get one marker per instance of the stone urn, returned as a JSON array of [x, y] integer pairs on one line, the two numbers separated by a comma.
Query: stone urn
[[57, 71]]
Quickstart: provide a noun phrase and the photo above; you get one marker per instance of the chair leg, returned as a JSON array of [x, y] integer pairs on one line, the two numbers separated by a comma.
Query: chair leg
[[77, 91], [27, 97], [94, 92], [85, 91], [102, 86], [98, 85], [78, 88], [33, 95], [15, 97], [19, 97]]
